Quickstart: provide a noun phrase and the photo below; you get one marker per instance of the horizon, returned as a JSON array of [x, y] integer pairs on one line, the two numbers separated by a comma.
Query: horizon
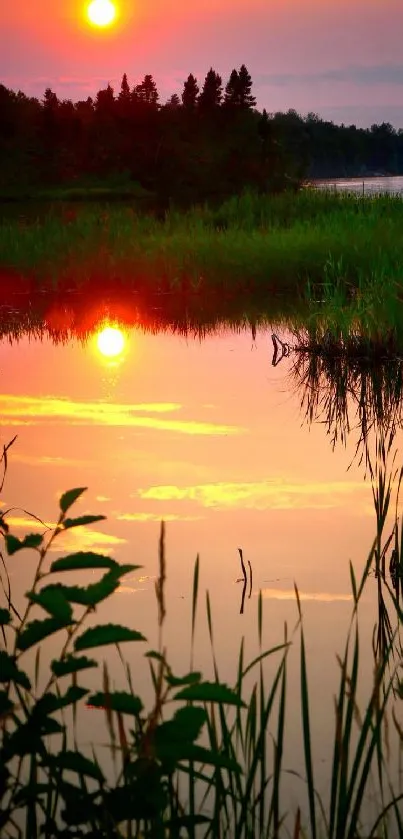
[[116, 83], [340, 62]]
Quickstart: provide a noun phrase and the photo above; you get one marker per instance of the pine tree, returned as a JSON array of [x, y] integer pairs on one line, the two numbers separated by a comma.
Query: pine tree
[[105, 101], [246, 100], [173, 102], [124, 95], [211, 95], [147, 92], [231, 97], [50, 101], [190, 93]]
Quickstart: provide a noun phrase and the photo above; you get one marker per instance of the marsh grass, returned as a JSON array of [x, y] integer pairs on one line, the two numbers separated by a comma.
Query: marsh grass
[[268, 244]]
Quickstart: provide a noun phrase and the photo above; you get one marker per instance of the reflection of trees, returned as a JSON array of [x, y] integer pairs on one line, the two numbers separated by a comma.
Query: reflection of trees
[[349, 383], [352, 383]]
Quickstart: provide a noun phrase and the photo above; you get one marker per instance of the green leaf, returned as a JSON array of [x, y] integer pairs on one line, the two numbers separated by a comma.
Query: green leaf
[[28, 738], [6, 705], [189, 679], [210, 692], [5, 617], [121, 701], [9, 672], [173, 739], [85, 595], [68, 498], [191, 751], [51, 702], [81, 520], [83, 560], [190, 721], [110, 633], [38, 630], [52, 599], [32, 540], [71, 664], [76, 762]]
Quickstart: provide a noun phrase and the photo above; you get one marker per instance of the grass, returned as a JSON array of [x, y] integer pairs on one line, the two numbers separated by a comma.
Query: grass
[[206, 759], [113, 188], [265, 244]]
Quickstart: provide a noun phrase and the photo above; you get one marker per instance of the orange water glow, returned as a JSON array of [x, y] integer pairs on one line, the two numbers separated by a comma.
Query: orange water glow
[[111, 341]]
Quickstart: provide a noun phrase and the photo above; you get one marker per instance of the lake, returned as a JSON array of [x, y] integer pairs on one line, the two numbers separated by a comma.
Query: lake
[[384, 184], [207, 435]]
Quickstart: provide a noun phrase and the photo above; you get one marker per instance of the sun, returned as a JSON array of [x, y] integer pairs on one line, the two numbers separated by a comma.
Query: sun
[[101, 12], [111, 341]]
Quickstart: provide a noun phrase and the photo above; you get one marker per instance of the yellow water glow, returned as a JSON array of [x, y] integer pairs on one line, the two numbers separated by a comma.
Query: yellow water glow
[[101, 12], [111, 342]]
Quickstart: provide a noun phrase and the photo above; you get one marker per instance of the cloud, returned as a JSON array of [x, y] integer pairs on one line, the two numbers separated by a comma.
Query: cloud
[[320, 596], [85, 539], [48, 460], [76, 539], [143, 517], [29, 524], [362, 76], [262, 495], [15, 409]]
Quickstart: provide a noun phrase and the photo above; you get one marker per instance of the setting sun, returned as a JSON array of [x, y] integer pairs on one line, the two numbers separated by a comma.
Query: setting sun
[[101, 12], [111, 342]]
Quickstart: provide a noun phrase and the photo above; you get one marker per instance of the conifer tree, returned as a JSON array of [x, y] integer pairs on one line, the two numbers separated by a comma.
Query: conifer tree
[[231, 97], [211, 94], [190, 93], [173, 102], [147, 92], [246, 100], [124, 95]]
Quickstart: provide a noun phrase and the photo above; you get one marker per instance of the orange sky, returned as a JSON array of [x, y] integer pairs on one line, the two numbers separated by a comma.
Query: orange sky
[[340, 59]]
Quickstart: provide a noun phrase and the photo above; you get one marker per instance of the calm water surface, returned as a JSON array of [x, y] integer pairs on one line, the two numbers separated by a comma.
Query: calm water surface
[[208, 436], [366, 186]]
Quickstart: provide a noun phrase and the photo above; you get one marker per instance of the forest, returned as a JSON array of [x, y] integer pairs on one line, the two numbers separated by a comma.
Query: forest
[[205, 143]]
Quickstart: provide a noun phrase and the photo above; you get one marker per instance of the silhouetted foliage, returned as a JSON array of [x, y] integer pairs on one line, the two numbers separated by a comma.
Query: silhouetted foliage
[[190, 93], [211, 93], [200, 145]]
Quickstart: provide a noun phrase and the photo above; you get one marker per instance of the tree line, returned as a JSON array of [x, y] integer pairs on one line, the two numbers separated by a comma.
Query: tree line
[[207, 142]]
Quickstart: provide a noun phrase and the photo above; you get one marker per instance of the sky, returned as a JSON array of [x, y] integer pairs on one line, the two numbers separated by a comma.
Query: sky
[[341, 59]]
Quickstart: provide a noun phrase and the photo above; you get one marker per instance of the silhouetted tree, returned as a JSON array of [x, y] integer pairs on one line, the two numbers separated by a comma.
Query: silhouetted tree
[[211, 94], [231, 96], [190, 93], [105, 102], [147, 92], [173, 101], [246, 100], [124, 93]]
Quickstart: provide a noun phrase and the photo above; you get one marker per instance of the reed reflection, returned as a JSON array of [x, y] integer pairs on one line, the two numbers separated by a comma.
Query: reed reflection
[[350, 383], [354, 384]]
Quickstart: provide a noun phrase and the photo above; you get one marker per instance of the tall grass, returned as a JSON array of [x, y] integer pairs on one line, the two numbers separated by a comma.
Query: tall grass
[[272, 244]]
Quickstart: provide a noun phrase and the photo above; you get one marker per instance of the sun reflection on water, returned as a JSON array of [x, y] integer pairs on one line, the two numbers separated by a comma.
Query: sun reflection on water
[[111, 342]]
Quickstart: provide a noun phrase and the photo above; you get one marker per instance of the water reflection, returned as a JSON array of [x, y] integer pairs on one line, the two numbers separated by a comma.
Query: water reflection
[[110, 341], [350, 384], [353, 386], [207, 437]]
